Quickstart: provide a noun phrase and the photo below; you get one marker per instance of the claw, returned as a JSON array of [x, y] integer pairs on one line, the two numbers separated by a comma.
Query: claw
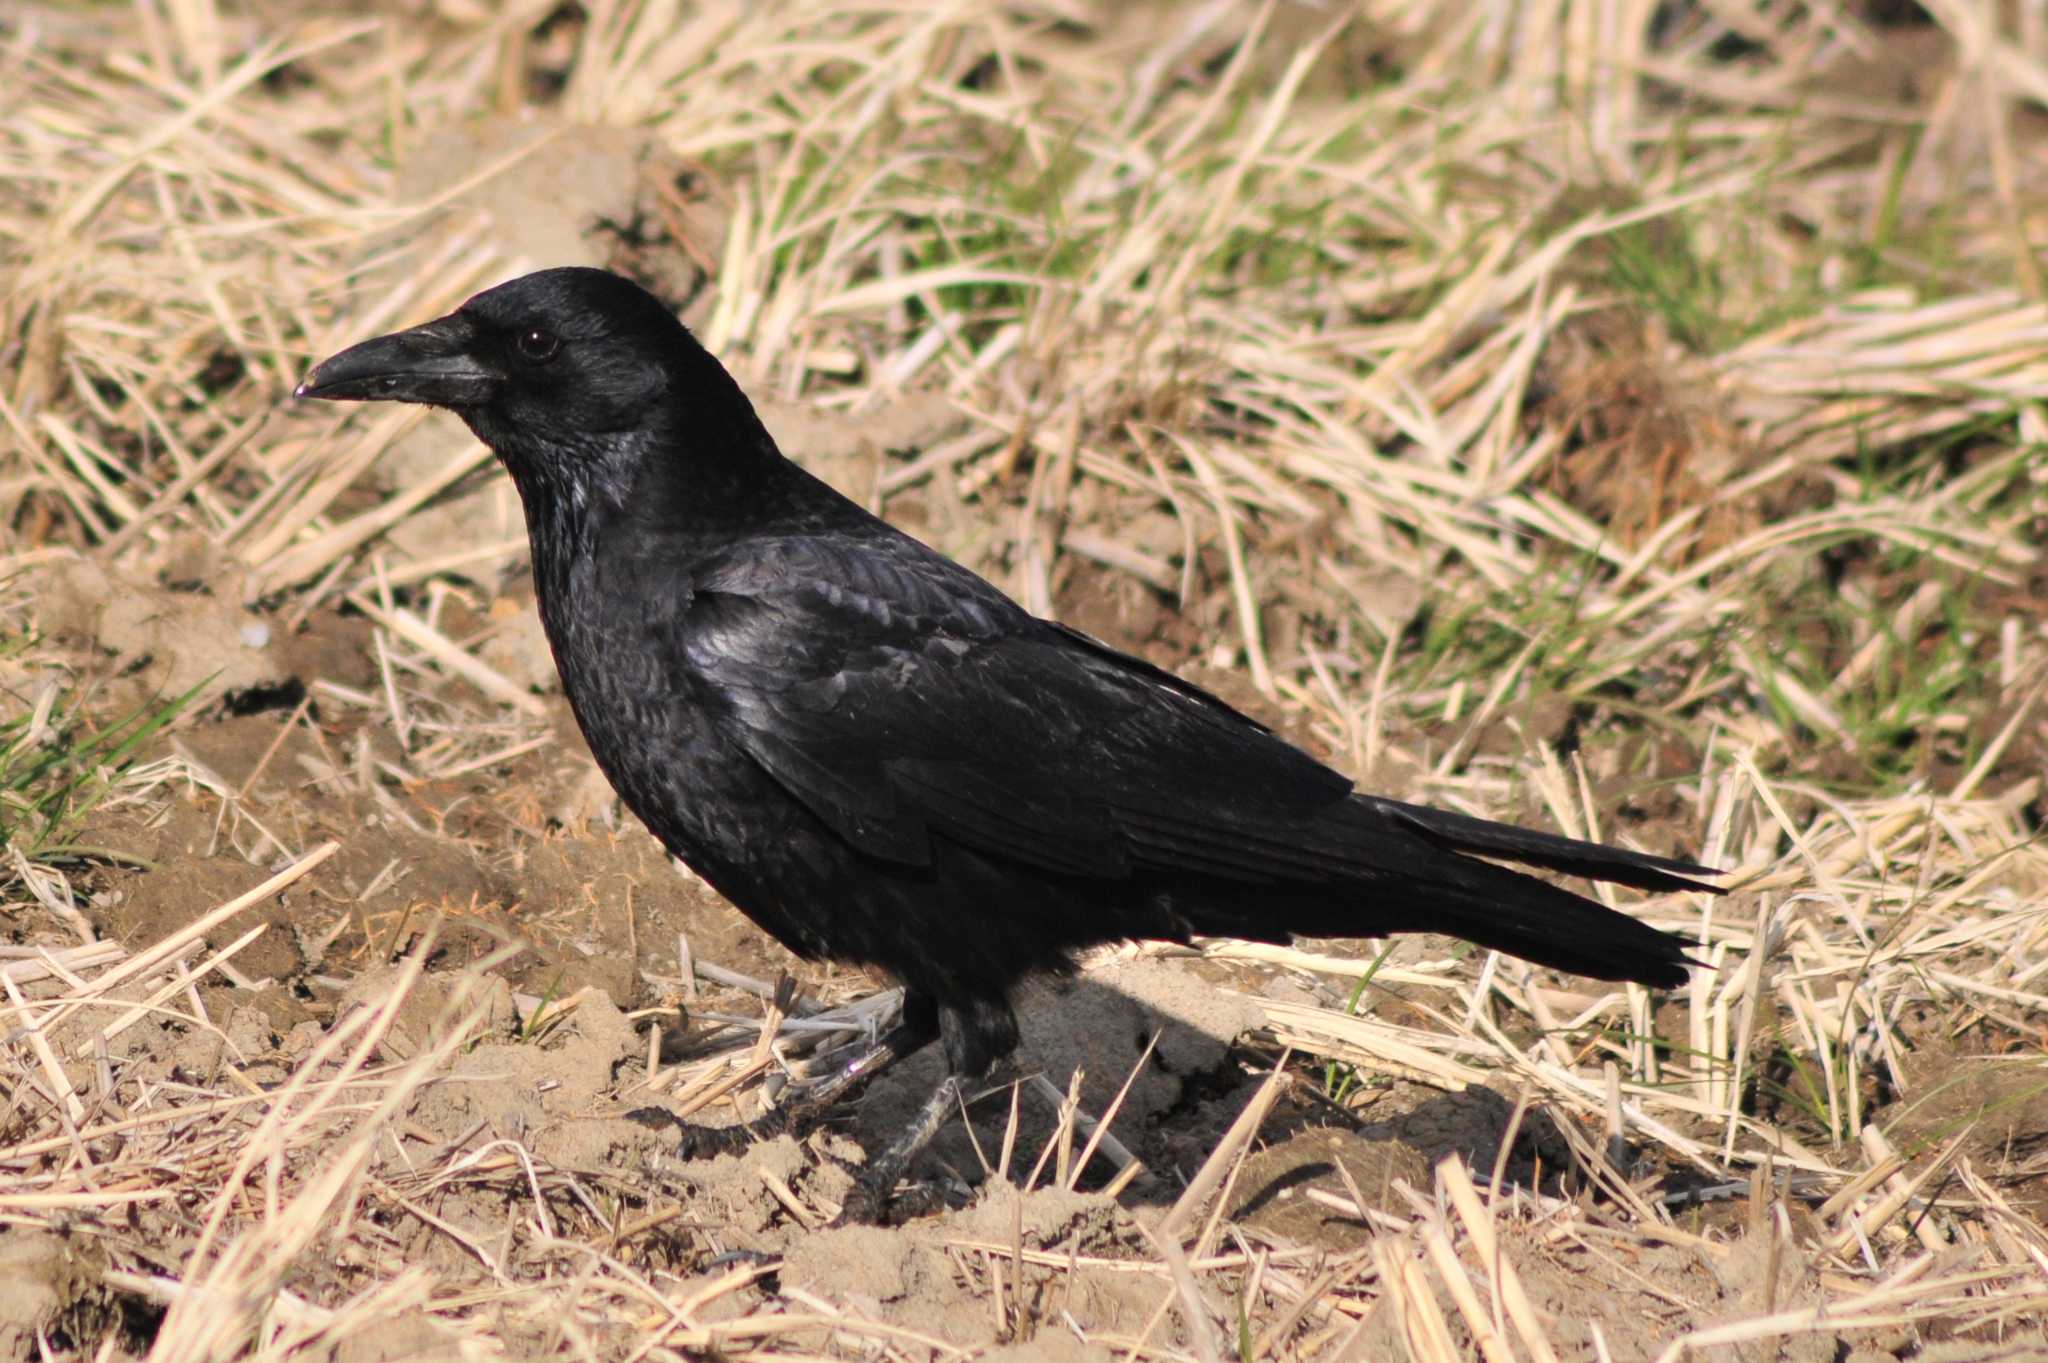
[[751, 1258], [862, 1207], [703, 1142], [654, 1118], [708, 1142]]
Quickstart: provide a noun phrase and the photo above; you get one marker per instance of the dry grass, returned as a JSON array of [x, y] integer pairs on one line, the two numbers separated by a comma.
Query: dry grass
[[1546, 407]]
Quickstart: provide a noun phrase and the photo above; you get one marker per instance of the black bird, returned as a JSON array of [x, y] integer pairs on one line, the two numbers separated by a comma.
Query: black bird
[[880, 757]]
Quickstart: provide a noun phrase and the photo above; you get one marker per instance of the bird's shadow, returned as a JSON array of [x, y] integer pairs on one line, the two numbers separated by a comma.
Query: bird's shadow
[[1172, 1112]]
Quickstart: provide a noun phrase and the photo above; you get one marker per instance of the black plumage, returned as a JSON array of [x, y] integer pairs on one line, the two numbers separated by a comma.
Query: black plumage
[[880, 757]]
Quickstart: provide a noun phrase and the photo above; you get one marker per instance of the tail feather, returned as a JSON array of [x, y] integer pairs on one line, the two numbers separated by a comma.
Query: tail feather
[[1491, 906], [1594, 861], [1408, 871], [1551, 926]]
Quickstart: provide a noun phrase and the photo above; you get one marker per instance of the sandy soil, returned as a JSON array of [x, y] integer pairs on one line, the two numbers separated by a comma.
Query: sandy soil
[[525, 868]]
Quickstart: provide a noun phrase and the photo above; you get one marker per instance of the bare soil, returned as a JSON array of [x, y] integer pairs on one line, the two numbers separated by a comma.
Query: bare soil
[[525, 868]]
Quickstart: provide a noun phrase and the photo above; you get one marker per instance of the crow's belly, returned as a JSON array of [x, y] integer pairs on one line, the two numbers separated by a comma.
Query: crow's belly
[[962, 925]]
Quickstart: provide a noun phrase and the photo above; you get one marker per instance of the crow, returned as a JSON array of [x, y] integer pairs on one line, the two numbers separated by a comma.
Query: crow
[[882, 759]]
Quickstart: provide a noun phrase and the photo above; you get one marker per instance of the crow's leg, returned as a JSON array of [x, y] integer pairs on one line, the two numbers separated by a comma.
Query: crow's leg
[[871, 1190], [918, 1029], [977, 1035]]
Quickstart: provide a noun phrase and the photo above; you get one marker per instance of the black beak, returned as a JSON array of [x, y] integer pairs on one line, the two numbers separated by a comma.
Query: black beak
[[432, 363]]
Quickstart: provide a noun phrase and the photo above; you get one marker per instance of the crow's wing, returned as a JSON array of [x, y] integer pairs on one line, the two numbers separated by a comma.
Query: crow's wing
[[899, 698]]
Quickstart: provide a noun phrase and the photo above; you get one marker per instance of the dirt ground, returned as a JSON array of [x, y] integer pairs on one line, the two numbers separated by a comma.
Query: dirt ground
[[520, 888]]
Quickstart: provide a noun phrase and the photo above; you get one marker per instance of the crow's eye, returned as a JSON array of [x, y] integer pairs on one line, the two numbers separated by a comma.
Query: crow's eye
[[538, 344]]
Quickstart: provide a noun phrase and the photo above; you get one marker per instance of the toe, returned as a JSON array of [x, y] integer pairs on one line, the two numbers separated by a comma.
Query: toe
[[863, 1207]]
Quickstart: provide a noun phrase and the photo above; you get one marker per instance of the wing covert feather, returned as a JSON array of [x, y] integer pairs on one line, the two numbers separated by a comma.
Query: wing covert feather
[[898, 705]]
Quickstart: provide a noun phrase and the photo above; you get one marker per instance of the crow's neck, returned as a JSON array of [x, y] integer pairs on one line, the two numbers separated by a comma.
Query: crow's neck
[[680, 488]]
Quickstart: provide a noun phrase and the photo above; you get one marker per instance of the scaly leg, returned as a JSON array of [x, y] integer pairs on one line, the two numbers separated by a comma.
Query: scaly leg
[[978, 1034], [870, 1193], [918, 1029]]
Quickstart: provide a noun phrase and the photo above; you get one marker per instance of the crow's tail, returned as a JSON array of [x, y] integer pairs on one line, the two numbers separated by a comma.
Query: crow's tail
[[1503, 909], [1594, 861], [1415, 869]]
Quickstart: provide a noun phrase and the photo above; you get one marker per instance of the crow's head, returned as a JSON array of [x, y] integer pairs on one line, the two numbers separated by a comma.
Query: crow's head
[[546, 368]]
